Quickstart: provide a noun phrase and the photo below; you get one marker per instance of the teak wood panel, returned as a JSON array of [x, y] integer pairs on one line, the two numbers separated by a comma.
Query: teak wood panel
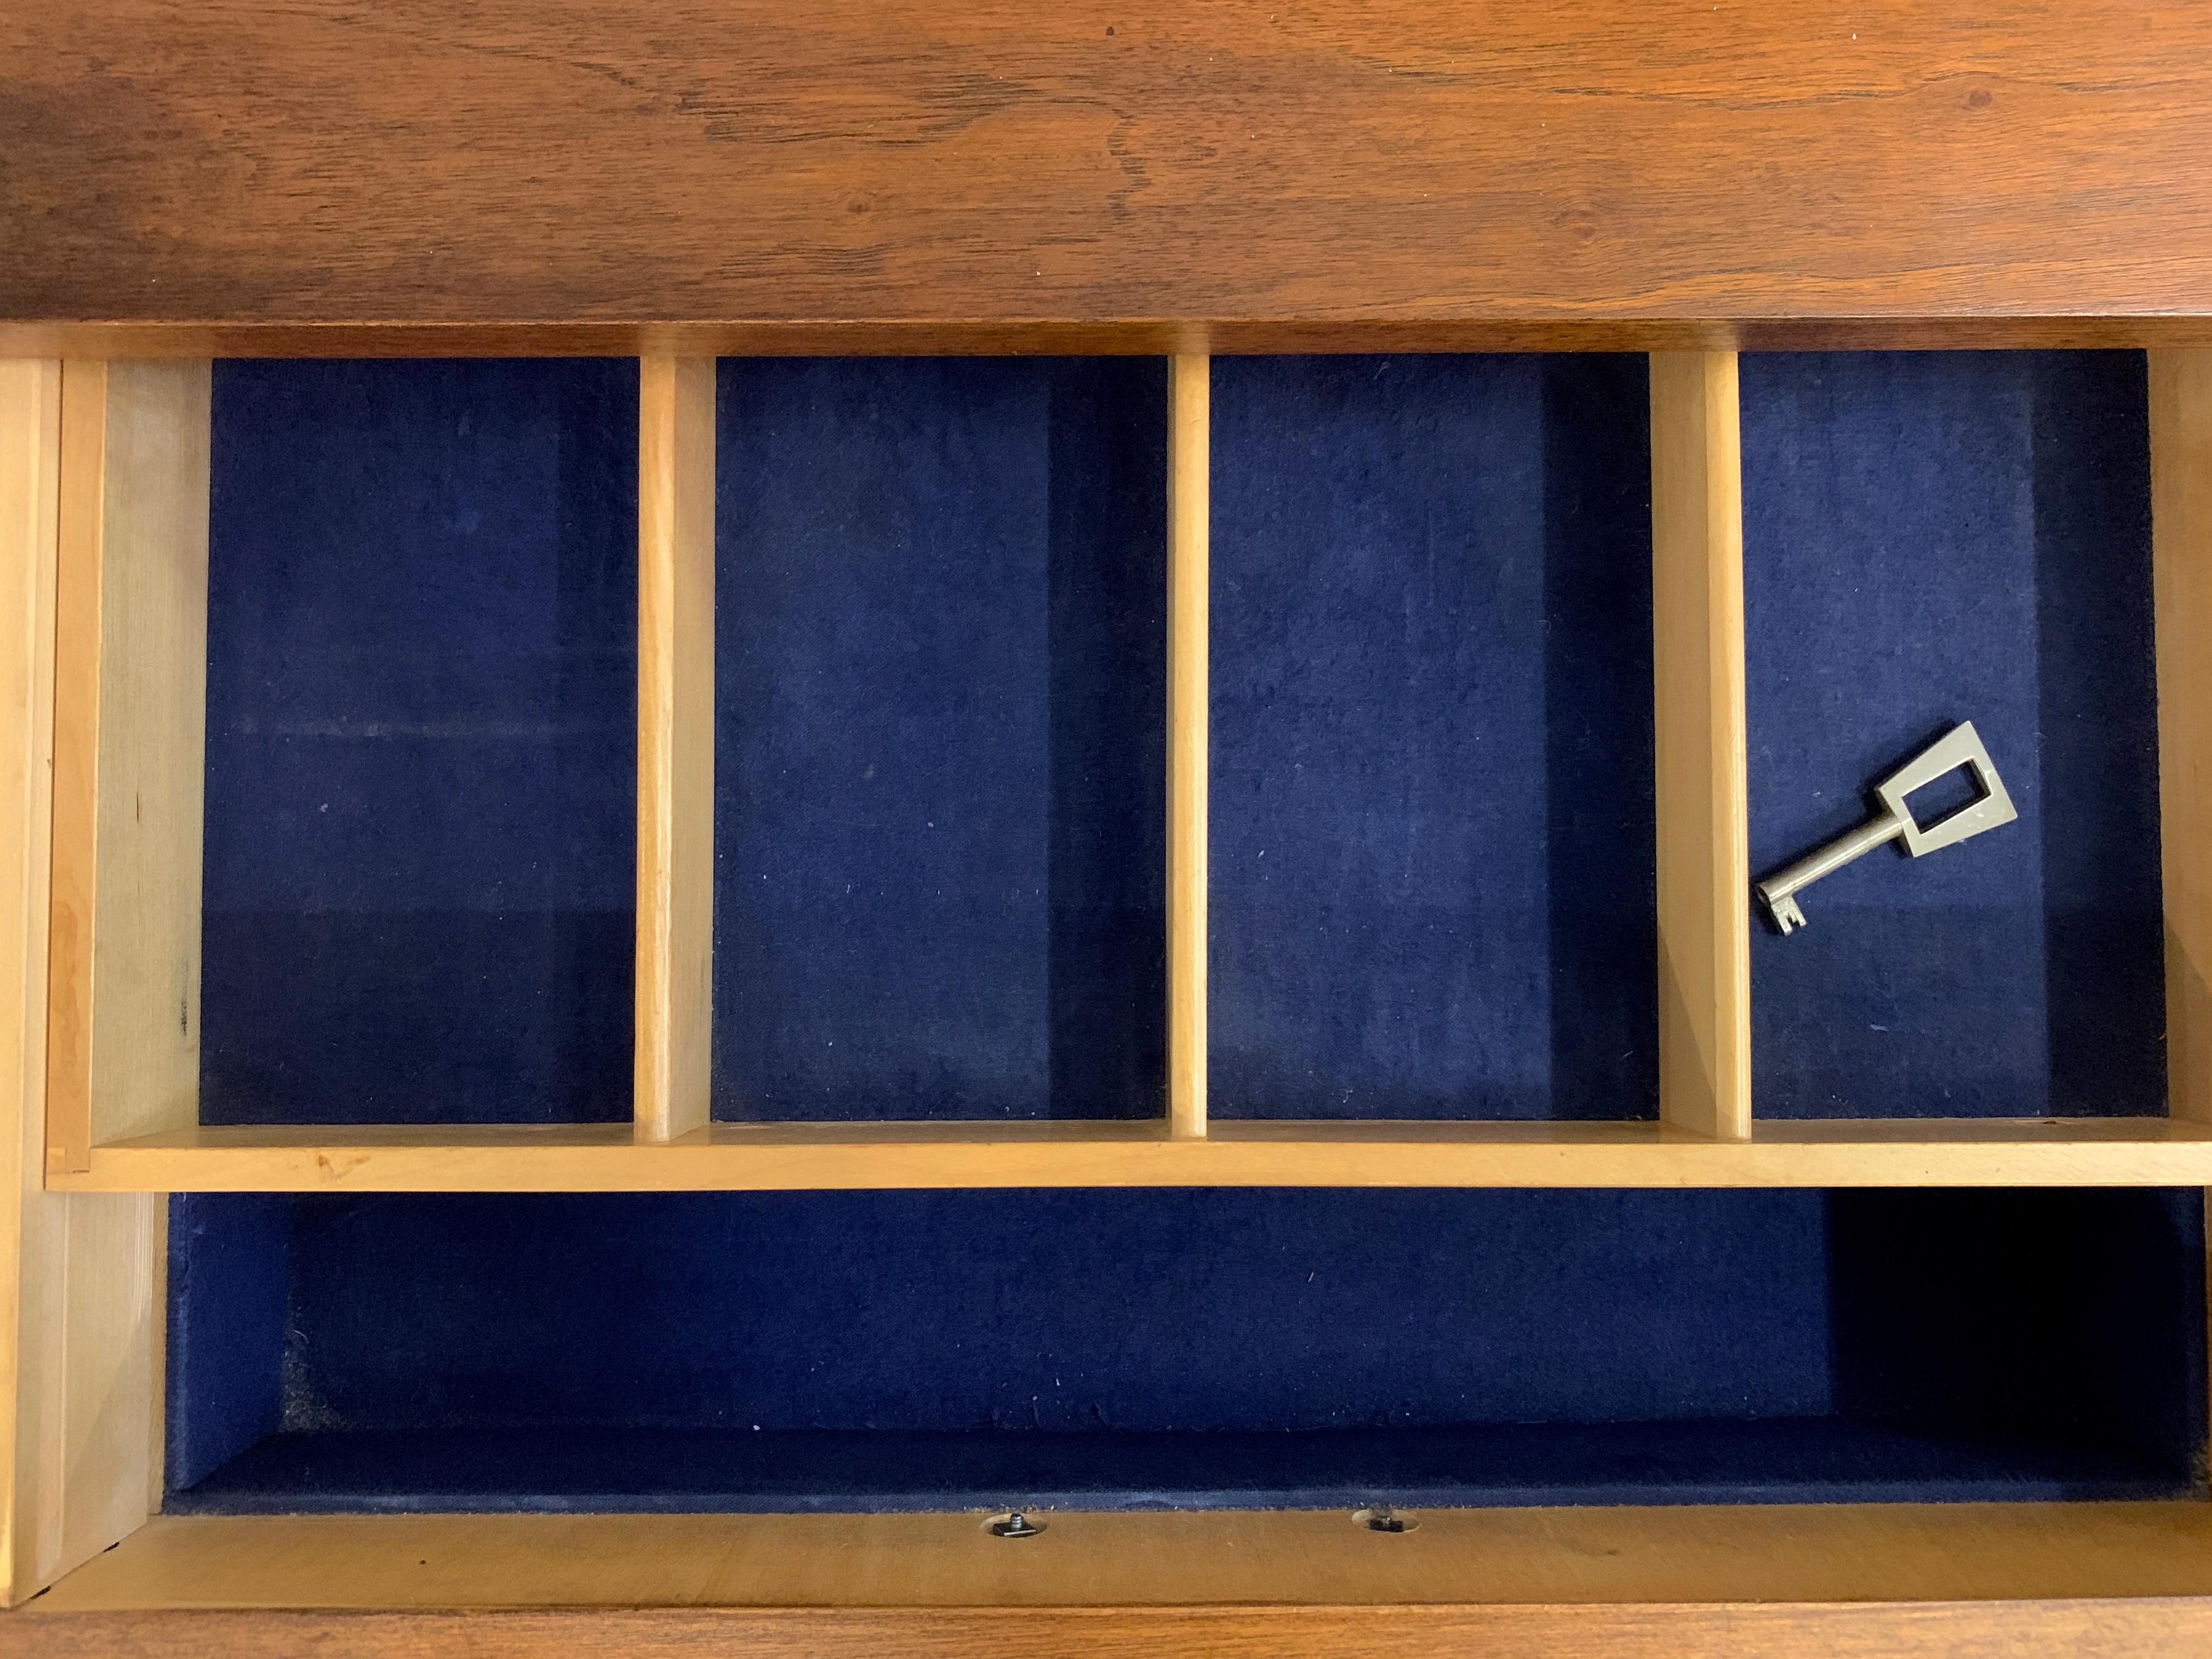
[[2109, 1629], [1175, 177], [1312, 1558], [2115, 1578]]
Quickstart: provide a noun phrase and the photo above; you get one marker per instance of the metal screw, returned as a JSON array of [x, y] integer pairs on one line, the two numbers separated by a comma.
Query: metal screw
[[1014, 1524], [1382, 1518]]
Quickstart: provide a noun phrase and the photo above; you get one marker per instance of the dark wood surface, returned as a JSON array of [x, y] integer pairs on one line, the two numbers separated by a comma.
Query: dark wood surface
[[1100, 175], [2106, 1630]]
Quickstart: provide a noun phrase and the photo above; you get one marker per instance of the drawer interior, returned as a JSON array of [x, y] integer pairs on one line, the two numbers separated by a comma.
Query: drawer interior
[[1136, 1349], [939, 728], [939, 732]]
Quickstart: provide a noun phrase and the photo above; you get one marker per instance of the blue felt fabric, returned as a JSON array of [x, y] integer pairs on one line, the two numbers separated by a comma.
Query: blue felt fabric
[[229, 1309], [1928, 539], [1822, 1460], [422, 712], [940, 671], [2034, 1321], [1432, 847], [939, 738]]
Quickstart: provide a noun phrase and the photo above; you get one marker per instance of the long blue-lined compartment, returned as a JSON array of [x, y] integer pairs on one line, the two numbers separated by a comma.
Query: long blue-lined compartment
[[1931, 538], [1432, 882], [939, 738], [421, 742], [1139, 1348]]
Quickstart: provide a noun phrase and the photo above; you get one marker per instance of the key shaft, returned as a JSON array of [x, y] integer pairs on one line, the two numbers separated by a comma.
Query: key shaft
[[1878, 830]]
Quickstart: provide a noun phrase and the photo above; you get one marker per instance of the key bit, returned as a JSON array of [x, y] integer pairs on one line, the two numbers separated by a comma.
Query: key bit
[[1961, 746]]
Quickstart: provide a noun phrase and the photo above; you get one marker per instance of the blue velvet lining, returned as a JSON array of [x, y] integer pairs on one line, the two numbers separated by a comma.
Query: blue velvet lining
[[1926, 1344], [939, 746], [1771, 1461], [1432, 891], [421, 743], [939, 855], [940, 743], [229, 1307], [1930, 540]]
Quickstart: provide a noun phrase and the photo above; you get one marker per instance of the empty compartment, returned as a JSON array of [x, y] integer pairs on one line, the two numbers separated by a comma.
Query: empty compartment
[[940, 749], [1930, 539], [1432, 878], [1135, 1348], [421, 742]]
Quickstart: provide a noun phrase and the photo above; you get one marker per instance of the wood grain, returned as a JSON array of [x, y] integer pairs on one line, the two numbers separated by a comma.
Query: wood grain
[[31, 1237], [73, 868], [130, 742], [2152, 1629], [675, 746], [1576, 1555], [2181, 555], [1029, 337], [728, 1157], [1190, 716], [737, 163], [80, 1277], [1698, 739]]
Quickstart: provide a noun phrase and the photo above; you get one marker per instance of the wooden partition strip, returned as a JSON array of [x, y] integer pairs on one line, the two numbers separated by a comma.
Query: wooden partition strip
[[76, 772], [80, 1276], [1704, 851], [2181, 555], [675, 745], [129, 746], [30, 1239], [882, 1156], [1190, 579]]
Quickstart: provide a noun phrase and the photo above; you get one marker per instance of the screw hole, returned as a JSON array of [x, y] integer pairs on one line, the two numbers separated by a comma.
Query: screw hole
[[1381, 1517]]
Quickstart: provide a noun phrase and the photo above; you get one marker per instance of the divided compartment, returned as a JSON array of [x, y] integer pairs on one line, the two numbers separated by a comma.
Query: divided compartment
[[1478, 905], [1932, 539], [1433, 890], [939, 739], [1142, 1349], [422, 697], [939, 653]]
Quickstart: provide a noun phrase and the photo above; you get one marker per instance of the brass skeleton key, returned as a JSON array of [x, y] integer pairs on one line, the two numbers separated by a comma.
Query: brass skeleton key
[[1961, 746]]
